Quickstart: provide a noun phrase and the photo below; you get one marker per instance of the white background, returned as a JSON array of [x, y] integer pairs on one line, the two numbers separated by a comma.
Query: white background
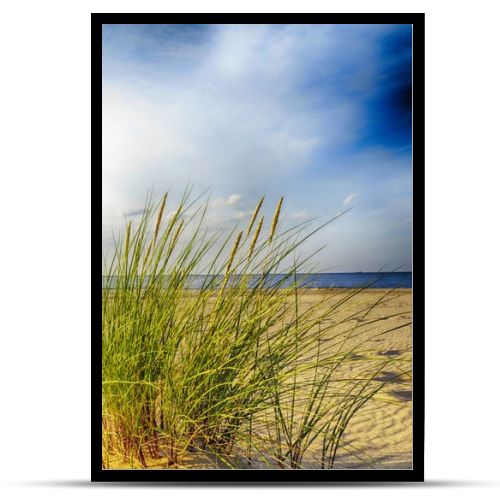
[[45, 246]]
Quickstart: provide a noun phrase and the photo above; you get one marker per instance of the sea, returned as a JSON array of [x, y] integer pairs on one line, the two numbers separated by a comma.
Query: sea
[[315, 280]]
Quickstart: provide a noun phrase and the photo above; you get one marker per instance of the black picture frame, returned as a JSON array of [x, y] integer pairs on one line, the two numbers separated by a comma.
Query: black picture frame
[[254, 476]]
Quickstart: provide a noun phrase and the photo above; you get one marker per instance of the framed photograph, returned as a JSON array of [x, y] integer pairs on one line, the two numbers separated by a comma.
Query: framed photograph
[[258, 247]]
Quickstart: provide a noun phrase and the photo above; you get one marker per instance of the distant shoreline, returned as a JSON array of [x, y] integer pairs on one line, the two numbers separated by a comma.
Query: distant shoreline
[[312, 281]]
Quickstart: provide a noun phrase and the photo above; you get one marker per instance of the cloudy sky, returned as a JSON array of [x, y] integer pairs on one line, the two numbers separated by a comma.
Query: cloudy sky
[[319, 114]]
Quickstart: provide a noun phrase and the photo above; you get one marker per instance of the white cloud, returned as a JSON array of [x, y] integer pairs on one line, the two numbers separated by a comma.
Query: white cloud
[[240, 116], [237, 118], [233, 199], [243, 214], [348, 199], [299, 215]]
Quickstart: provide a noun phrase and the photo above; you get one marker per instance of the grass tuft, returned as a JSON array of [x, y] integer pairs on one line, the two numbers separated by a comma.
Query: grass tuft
[[238, 372]]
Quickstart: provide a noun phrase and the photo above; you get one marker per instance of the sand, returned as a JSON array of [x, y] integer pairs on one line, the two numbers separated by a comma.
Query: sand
[[380, 435], [383, 428]]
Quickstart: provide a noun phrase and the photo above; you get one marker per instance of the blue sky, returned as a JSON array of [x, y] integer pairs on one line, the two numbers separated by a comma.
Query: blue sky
[[319, 114]]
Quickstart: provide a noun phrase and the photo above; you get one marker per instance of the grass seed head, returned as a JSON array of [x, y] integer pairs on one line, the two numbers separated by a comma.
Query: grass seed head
[[127, 236], [254, 216], [275, 219], [233, 252], [255, 237], [160, 216]]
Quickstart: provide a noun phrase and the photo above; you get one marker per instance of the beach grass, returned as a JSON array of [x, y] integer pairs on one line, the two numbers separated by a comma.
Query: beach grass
[[238, 373]]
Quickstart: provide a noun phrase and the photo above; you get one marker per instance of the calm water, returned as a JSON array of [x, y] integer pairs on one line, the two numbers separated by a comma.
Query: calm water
[[320, 280]]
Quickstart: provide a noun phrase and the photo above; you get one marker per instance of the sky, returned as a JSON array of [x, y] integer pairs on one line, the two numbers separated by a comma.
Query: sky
[[319, 114]]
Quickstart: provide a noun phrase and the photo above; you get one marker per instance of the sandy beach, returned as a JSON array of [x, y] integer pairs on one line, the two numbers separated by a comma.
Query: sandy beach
[[380, 435], [383, 428]]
